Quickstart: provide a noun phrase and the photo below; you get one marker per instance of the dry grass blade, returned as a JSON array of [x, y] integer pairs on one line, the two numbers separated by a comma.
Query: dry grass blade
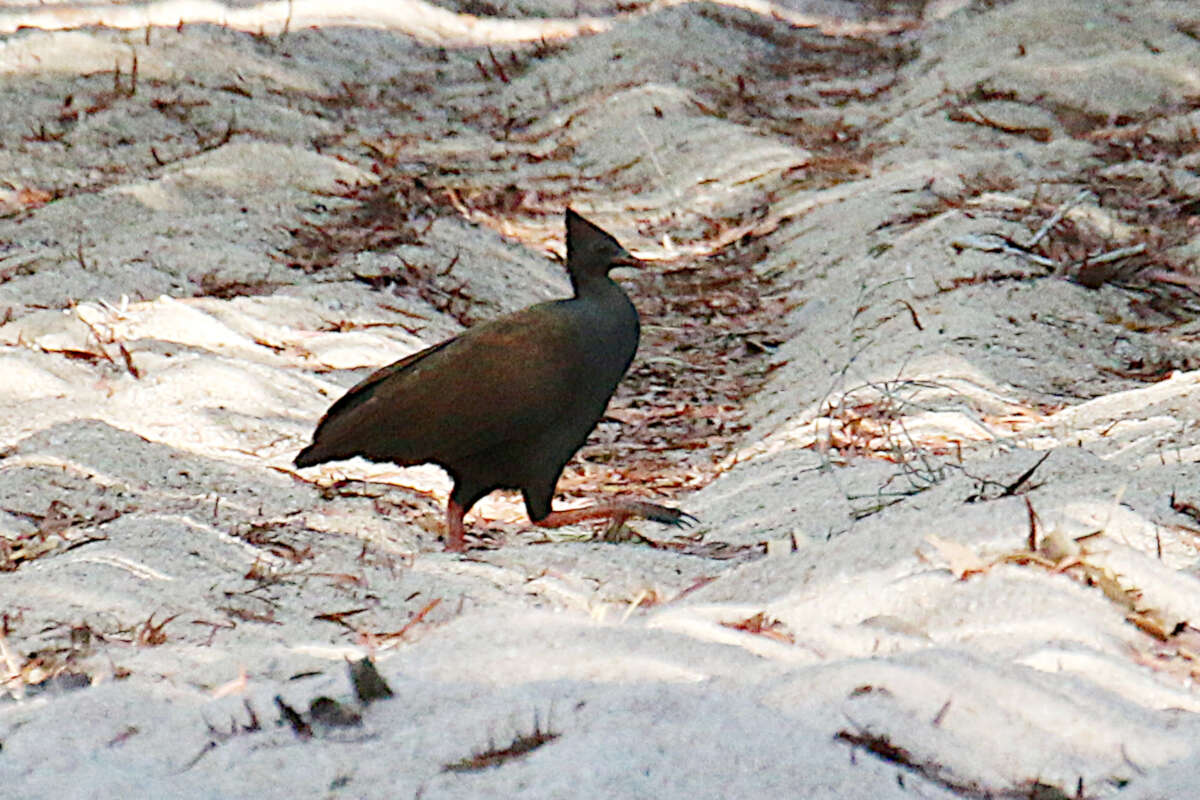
[[492, 756]]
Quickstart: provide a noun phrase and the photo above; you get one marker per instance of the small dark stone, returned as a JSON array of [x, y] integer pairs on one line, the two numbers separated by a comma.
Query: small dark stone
[[368, 684], [327, 711]]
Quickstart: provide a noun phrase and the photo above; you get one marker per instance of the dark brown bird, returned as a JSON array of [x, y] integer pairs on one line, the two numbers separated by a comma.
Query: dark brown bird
[[505, 404]]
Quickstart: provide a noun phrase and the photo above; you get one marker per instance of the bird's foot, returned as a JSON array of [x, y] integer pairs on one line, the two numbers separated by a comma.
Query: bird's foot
[[617, 512], [623, 510], [628, 509]]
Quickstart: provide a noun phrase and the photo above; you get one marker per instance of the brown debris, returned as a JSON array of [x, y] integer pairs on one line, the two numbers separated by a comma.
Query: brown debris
[[268, 535], [57, 531], [415, 620], [1137, 186], [492, 756], [762, 625], [884, 747], [1057, 553], [218, 737], [149, 634], [376, 216]]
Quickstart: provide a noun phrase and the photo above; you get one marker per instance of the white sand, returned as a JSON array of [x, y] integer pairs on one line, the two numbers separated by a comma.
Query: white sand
[[1013, 677]]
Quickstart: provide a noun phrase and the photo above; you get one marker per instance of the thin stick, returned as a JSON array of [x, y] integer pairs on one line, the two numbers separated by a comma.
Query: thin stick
[[1061, 212], [1114, 255], [995, 243]]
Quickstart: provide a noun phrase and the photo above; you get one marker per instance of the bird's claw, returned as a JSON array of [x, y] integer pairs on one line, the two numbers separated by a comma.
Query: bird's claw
[[663, 514], [685, 519]]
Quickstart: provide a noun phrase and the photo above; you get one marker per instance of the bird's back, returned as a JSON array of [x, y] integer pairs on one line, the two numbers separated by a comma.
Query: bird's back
[[530, 384]]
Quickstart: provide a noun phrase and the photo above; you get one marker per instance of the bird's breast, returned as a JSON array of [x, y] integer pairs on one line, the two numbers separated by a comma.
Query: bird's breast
[[607, 335]]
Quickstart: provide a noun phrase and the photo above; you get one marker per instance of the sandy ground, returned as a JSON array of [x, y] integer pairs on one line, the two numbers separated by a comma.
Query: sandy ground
[[922, 251]]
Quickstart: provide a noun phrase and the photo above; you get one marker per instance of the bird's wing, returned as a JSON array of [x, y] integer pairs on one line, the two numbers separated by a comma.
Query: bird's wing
[[365, 389], [505, 380]]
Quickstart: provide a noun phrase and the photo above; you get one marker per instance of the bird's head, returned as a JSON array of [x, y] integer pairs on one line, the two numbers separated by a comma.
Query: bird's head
[[591, 251]]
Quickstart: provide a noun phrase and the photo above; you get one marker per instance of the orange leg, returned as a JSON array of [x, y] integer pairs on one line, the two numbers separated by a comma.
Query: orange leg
[[617, 511], [455, 531]]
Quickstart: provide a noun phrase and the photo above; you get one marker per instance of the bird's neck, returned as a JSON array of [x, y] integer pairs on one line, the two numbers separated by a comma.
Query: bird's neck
[[604, 310], [587, 286]]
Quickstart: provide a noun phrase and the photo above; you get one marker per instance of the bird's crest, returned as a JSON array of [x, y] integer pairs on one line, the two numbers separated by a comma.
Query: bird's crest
[[591, 251]]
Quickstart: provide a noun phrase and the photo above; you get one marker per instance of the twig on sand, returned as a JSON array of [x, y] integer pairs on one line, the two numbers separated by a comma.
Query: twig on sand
[[1059, 213]]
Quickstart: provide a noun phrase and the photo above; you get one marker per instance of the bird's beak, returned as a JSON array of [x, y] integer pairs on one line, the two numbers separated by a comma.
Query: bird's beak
[[627, 260]]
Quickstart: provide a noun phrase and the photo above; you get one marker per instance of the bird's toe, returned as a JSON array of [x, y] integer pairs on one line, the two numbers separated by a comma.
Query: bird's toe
[[666, 515], [679, 519]]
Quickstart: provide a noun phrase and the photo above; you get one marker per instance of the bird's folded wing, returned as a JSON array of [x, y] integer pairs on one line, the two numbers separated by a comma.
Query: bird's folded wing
[[507, 380]]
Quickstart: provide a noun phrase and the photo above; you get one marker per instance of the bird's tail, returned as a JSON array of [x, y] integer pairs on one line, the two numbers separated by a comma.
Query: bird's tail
[[307, 458]]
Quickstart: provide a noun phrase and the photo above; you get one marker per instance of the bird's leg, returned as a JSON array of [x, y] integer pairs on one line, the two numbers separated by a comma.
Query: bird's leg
[[617, 511], [455, 531]]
